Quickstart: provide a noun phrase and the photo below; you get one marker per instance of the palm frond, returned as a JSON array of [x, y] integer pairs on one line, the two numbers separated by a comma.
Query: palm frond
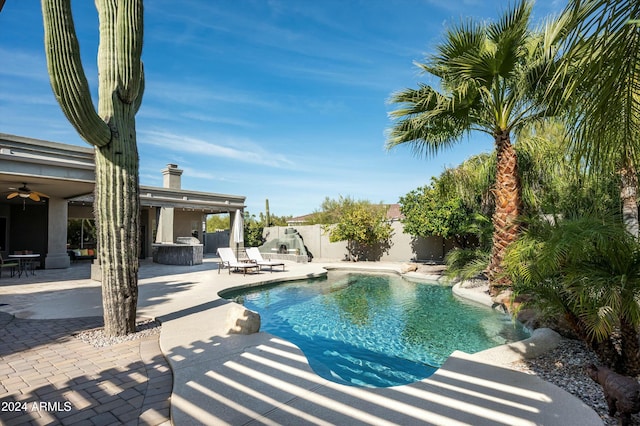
[[509, 34], [466, 264], [591, 262], [603, 62]]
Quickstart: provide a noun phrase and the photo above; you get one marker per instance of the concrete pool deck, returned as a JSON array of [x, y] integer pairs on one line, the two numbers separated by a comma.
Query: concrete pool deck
[[260, 379]]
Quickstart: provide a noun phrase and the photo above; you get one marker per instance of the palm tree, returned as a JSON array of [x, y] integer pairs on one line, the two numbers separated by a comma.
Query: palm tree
[[587, 270], [600, 80], [488, 76]]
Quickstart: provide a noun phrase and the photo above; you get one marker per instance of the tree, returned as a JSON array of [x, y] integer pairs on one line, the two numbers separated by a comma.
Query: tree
[[472, 182], [253, 229], [599, 83], [587, 270], [112, 132], [553, 187], [426, 214], [554, 183], [274, 220], [331, 210], [365, 228], [488, 74], [217, 222]]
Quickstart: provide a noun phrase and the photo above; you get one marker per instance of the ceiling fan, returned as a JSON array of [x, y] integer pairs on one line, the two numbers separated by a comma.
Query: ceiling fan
[[25, 192]]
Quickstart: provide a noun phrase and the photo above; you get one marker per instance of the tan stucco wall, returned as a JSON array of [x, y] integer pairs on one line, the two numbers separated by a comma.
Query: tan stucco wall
[[403, 248], [185, 222]]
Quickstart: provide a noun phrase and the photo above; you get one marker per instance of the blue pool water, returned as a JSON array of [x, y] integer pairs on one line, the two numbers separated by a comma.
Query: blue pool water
[[376, 330]]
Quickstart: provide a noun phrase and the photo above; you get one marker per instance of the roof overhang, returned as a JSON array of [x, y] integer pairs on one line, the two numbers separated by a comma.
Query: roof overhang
[[58, 170]]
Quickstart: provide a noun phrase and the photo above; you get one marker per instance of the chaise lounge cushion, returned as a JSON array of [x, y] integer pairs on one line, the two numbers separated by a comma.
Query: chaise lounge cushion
[[84, 254]]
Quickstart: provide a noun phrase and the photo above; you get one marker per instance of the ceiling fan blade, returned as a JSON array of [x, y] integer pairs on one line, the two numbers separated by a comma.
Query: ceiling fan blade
[[42, 195], [12, 195], [34, 196]]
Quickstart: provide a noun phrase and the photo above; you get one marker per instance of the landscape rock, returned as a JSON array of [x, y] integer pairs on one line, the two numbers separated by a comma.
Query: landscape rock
[[409, 267], [241, 320]]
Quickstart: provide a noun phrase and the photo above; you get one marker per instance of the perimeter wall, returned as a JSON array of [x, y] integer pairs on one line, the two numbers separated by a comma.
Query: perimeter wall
[[403, 247]]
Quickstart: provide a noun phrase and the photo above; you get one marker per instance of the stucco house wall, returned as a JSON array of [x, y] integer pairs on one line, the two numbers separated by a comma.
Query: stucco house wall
[[66, 174], [186, 222]]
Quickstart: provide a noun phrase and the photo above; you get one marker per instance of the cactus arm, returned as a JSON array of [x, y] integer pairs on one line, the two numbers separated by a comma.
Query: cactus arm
[[128, 46], [66, 74]]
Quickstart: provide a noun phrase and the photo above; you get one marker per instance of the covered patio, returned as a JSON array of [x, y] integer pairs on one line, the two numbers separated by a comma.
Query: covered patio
[[66, 174]]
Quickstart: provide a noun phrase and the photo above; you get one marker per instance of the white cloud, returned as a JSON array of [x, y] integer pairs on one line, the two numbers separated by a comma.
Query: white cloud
[[24, 64], [202, 94], [22, 98], [239, 150], [218, 120]]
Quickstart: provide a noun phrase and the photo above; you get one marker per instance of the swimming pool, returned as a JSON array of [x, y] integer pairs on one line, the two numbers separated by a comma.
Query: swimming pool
[[375, 330]]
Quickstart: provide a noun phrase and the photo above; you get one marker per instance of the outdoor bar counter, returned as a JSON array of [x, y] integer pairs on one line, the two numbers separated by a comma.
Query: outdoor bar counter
[[185, 251]]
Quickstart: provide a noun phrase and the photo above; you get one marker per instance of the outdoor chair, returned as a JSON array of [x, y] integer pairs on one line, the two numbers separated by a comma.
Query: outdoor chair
[[228, 260], [255, 256], [11, 265]]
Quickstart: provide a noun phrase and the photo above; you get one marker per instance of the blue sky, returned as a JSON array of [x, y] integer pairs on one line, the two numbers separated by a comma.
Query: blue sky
[[278, 99]]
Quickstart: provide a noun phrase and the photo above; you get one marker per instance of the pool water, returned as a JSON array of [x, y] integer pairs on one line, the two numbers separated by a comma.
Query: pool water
[[376, 330]]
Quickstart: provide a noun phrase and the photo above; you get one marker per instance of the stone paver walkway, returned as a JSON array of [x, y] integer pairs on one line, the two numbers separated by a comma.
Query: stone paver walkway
[[47, 376]]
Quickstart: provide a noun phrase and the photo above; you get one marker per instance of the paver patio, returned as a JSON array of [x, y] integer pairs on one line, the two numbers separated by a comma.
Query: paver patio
[[47, 376]]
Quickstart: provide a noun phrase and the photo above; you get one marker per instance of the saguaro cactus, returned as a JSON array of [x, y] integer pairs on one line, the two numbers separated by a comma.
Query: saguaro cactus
[[267, 215], [112, 132]]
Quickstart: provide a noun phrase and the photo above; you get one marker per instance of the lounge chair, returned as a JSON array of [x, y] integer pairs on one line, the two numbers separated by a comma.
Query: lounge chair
[[255, 256], [228, 259]]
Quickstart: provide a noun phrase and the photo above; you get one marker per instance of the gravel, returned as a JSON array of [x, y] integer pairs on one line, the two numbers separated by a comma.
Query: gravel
[[97, 338], [565, 367]]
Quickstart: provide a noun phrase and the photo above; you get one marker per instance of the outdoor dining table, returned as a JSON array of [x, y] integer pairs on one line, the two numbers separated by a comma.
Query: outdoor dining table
[[25, 262]]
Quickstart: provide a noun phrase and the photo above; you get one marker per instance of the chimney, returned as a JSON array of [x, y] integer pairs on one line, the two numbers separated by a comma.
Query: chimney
[[171, 177]]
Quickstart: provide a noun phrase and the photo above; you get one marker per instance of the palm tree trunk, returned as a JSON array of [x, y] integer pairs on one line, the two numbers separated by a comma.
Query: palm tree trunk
[[508, 199], [630, 348], [629, 197]]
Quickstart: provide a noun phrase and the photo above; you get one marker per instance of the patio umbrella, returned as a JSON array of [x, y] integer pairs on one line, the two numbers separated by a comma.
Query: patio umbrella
[[238, 230]]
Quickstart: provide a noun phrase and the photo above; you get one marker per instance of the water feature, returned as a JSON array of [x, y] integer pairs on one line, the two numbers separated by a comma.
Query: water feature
[[288, 246], [376, 330]]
